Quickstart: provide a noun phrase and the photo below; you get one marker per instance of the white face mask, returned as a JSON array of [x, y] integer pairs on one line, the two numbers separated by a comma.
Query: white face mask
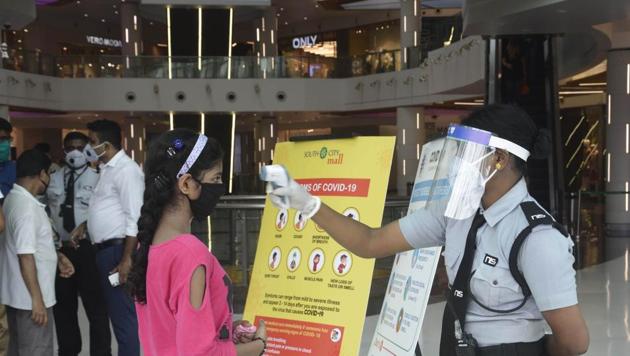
[[90, 153], [468, 186], [76, 159]]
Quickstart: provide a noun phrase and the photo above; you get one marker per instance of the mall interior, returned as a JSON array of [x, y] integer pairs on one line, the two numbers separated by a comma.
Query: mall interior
[[254, 73]]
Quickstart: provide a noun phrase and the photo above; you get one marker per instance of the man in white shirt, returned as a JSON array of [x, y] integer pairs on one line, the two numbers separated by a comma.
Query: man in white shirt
[[29, 260], [68, 197], [113, 213]]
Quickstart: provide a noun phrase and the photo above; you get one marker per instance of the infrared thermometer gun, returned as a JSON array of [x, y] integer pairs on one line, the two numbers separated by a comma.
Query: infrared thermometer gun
[[276, 177]]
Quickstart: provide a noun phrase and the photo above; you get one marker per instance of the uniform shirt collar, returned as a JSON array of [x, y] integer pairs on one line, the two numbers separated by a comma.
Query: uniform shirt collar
[[506, 203], [22, 191], [116, 159]]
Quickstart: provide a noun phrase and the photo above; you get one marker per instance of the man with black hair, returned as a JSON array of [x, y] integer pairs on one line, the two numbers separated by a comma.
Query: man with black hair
[[7, 166], [29, 260], [44, 147], [68, 196], [113, 213]]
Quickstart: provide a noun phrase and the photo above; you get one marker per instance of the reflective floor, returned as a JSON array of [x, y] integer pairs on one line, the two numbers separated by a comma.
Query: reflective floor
[[604, 294]]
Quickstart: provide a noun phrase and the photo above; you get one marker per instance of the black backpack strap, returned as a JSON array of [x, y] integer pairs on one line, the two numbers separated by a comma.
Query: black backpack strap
[[535, 216]]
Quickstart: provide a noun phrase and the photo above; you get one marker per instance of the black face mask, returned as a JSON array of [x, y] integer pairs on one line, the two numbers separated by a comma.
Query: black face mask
[[203, 206]]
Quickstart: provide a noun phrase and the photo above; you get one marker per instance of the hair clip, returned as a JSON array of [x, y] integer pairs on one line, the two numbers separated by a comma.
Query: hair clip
[[177, 146], [160, 182]]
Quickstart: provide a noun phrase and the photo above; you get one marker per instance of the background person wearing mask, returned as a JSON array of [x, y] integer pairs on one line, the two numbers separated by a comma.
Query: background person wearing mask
[[113, 213], [29, 261], [7, 179], [68, 196], [7, 166], [485, 297]]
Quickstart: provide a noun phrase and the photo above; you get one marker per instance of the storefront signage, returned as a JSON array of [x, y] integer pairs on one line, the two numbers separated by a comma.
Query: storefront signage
[[108, 42], [304, 42]]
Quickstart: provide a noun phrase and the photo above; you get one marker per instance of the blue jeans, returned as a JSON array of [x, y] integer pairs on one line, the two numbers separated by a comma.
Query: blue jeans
[[120, 306]]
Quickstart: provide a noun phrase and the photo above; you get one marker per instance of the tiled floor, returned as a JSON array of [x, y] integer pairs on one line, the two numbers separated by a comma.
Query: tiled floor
[[604, 294]]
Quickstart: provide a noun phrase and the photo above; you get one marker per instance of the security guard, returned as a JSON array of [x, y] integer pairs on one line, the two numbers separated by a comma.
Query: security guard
[[509, 264], [68, 196]]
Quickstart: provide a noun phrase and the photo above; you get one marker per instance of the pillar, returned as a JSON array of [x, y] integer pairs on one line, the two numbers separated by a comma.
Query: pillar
[[134, 138], [410, 30], [266, 47], [131, 28], [265, 137], [203, 32], [267, 33], [617, 164], [410, 138]]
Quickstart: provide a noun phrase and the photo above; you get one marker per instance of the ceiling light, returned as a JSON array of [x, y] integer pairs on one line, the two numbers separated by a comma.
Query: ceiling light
[[581, 92], [103, 20], [19, 41], [116, 12], [65, 48], [602, 84], [282, 9], [286, 23], [278, 14], [102, 51], [26, 30], [305, 18], [78, 2], [85, 15], [151, 23], [114, 6], [465, 103]]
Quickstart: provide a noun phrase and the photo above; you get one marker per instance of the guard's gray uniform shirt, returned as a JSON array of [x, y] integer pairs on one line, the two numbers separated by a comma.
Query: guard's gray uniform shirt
[[85, 181], [546, 261]]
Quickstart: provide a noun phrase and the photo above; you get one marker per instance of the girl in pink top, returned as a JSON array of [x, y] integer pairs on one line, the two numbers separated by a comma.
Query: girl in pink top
[[183, 296]]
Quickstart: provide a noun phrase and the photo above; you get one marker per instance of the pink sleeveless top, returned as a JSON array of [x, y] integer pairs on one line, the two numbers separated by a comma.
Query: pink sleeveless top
[[168, 324]]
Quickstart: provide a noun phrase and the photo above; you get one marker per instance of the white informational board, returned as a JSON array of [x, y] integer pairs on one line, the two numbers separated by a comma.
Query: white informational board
[[398, 328]]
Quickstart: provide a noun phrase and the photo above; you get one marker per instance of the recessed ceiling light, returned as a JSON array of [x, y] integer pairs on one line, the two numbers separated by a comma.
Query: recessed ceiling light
[[85, 15], [19, 41], [26, 30], [305, 18], [116, 12], [151, 23], [114, 6], [78, 2], [286, 23], [282, 9], [278, 14], [103, 20]]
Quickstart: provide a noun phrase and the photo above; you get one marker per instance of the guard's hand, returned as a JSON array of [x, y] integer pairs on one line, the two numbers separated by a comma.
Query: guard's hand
[[66, 268], [39, 314], [296, 197], [123, 269]]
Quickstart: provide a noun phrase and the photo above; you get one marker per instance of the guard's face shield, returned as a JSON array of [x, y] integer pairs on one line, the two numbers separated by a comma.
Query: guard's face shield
[[465, 166]]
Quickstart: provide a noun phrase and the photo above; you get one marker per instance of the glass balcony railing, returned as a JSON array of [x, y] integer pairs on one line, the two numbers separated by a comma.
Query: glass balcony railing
[[108, 66]]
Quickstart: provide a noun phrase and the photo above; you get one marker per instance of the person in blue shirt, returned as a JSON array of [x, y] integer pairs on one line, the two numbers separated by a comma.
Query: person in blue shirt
[[7, 166]]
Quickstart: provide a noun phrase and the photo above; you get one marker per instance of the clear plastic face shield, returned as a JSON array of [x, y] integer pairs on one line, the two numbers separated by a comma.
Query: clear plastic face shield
[[465, 166]]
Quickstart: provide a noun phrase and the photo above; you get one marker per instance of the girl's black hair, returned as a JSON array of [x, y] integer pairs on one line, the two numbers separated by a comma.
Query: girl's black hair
[[164, 159], [515, 125]]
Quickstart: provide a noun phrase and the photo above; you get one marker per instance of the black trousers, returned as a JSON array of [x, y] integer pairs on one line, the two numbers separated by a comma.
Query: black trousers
[[85, 283], [448, 343]]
